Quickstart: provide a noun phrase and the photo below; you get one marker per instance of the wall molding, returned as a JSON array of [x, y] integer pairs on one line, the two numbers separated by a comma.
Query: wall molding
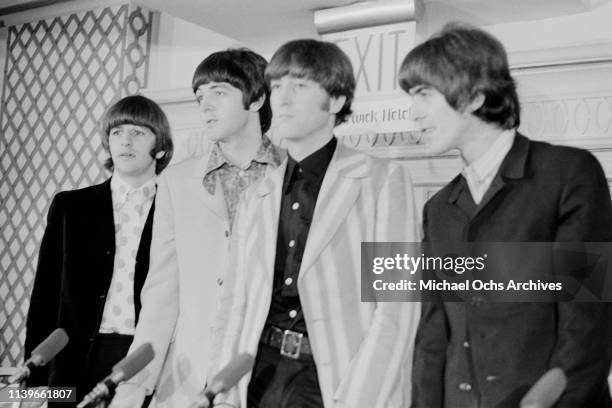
[[594, 52], [361, 15]]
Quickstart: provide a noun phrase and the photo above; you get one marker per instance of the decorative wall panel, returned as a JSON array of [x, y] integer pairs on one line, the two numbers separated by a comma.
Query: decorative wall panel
[[575, 119], [61, 75], [383, 140]]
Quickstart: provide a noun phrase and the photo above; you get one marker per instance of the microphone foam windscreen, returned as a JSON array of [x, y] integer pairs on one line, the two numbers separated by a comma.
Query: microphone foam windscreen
[[50, 347], [229, 375], [135, 362]]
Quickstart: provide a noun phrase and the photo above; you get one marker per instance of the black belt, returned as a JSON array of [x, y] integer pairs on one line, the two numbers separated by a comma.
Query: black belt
[[290, 343]]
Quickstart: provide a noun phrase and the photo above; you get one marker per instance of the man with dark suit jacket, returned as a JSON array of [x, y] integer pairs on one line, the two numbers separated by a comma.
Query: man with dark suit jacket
[[94, 254], [477, 353]]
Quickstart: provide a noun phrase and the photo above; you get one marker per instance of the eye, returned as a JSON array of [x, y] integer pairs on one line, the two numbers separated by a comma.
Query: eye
[[274, 85], [422, 92], [219, 92], [114, 132]]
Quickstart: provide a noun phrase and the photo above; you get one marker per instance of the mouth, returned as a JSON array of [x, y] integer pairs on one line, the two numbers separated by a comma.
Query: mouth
[[284, 116], [126, 155]]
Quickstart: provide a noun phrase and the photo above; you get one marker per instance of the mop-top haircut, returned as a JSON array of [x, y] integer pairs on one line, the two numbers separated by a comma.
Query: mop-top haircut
[[461, 62], [140, 111], [243, 69], [320, 61]]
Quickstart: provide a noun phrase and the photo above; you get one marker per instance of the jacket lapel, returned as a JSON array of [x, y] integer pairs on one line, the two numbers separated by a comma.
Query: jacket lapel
[[215, 202], [266, 213], [460, 196], [106, 229], [496, 186], [339, 191], [142, 259], [513, 167]]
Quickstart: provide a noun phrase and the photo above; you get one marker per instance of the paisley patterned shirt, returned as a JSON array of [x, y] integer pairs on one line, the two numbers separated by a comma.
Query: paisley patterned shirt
[[235, 180]]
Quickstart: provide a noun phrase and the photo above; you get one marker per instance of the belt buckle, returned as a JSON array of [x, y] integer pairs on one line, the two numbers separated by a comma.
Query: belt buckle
[[292, 344]]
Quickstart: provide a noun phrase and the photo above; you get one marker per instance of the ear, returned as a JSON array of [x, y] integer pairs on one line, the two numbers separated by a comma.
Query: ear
[[160, 154], [256, 106], [336, 103], [475, 103]]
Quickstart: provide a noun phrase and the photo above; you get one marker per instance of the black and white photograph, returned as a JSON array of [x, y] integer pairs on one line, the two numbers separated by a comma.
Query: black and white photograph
[[306, 203]]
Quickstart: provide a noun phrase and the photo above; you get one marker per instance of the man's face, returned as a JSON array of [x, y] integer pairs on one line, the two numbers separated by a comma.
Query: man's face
[[223, 111], [130, 148], [300, 109], [443, 127]]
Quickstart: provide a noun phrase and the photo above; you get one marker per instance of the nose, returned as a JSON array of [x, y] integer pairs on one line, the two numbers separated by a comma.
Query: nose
[[126, 139]]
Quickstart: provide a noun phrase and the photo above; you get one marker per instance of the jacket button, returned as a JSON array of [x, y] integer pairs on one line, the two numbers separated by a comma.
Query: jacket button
[[477, 301], [492, 378], [219, 281], [466, 344], [227, 234], [465, 387]]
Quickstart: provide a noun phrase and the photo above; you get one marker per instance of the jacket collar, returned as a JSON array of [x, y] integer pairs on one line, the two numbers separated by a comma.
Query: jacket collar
[[514, 166], [344, 163]]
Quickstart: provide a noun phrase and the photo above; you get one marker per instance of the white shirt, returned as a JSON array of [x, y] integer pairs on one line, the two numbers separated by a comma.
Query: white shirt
[[479, 175], [130, 210]]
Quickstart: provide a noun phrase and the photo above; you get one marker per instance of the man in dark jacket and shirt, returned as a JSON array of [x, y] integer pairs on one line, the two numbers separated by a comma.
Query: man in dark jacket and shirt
[[511, 189], [94, 255]]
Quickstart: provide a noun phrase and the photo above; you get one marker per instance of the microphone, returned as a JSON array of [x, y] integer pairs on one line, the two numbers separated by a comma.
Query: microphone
[[545, 392], [122, 371], [226, 378], [41, 355]]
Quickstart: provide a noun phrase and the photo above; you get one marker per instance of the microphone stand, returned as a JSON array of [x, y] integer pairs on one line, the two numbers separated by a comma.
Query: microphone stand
[[106, 390]]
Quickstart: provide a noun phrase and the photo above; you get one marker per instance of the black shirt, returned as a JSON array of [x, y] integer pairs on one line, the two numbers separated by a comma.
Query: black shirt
[[301, 187]]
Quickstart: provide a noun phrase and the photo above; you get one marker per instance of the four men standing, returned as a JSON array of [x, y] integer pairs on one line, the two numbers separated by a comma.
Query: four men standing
[[277, 247]]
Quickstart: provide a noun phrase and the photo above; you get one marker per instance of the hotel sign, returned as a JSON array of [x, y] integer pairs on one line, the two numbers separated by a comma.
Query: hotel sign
[[380, 106], [387, 115]]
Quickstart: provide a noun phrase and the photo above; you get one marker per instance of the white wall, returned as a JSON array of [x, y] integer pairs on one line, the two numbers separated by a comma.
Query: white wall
[[563, 68], [178, 48], [552, 33]]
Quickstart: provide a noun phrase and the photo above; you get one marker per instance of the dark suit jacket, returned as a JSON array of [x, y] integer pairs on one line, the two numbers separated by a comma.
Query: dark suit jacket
[[75, 267], [472, 354]]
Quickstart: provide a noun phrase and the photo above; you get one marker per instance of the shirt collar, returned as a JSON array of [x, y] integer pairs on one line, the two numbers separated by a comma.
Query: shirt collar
[[312, 166], [121, 190], [487, 165], [266, 154]]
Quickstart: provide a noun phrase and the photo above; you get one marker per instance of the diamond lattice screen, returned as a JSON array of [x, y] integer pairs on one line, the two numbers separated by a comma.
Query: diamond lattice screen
[[60, 76]]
